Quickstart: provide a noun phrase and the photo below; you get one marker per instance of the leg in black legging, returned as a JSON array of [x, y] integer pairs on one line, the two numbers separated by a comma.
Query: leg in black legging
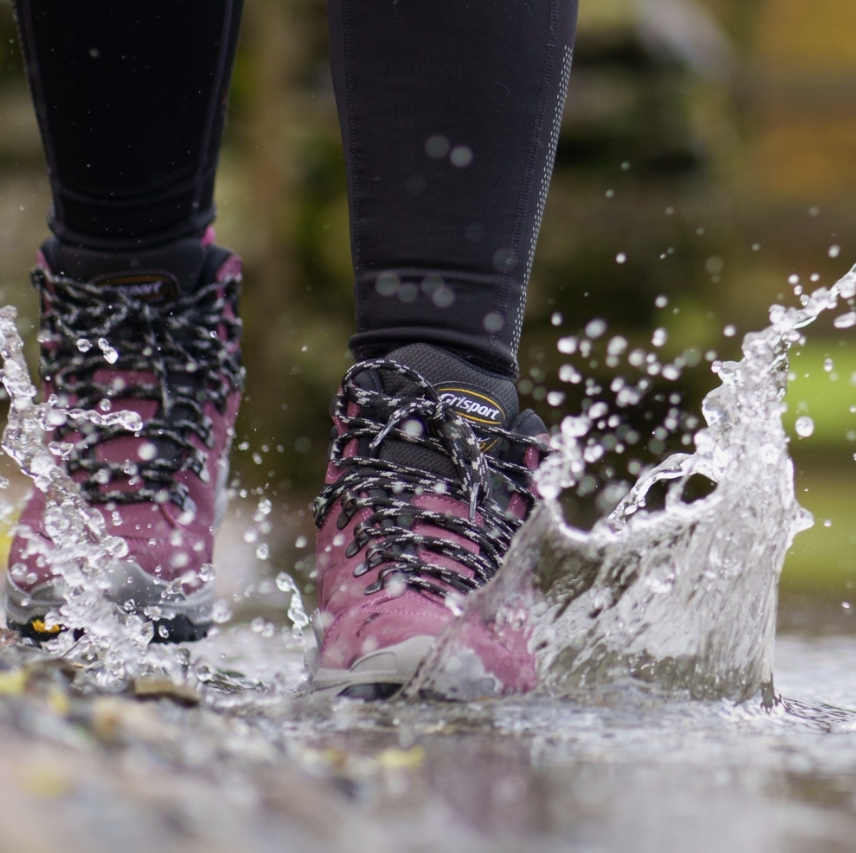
[[130, 99], [450, 112]]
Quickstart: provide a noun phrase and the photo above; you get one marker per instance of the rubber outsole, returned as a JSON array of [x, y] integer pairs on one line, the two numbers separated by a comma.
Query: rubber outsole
[[179, 629]]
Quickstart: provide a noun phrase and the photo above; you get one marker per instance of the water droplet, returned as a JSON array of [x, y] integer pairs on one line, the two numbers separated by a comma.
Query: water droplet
[[804, 426], [179, 560], [616, 345], [595, 328], [493, 322], [568, 373], [221, 612], [621, 258], [834, 250], [845, 321], [413, 427], [110, 354], [729, 331], [437, 147], [461, 156], [659, 337], [263, 551], [557, 319], [387, 284]]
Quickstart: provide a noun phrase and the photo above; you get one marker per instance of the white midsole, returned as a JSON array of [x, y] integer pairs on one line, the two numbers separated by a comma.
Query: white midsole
[[391, 665]]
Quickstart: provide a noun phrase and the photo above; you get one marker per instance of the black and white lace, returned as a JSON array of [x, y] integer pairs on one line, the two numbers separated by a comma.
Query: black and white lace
[[182, 355], [482, 482]]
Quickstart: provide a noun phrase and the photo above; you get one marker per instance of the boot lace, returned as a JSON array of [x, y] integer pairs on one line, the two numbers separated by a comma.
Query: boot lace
[[181, 355], [482, 482]]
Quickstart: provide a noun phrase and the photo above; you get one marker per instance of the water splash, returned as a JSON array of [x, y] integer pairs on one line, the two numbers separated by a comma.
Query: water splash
[[296, 611], [114, 645], [111, 643], [680, 601]]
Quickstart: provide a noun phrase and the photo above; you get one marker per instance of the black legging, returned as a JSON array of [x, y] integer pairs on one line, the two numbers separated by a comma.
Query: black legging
[[450, 113]]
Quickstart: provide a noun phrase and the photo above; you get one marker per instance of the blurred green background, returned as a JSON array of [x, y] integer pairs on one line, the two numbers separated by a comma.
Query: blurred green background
[[710, 143]]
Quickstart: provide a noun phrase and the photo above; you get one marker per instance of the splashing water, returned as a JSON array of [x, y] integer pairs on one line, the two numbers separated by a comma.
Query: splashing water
[[113, 644], [296, 612], [680, 601]]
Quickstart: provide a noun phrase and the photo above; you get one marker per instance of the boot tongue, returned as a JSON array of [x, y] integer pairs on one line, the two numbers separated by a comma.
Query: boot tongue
[[480, 397], [156, 275]]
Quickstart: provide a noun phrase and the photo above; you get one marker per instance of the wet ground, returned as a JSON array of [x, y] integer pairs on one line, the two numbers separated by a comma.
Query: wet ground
[[242, 760], [237, 757]]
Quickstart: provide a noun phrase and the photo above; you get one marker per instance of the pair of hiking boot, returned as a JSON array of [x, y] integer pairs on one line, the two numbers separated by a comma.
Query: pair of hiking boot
[[428, 477]]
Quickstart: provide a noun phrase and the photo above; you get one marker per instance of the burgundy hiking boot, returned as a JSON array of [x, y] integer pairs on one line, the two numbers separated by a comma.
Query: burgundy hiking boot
[[429, 477], [157, 333]]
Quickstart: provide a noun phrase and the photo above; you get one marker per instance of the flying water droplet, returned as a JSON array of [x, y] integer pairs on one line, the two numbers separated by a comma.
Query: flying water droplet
[[221, 612], [110, 354], [296, 611], [804, 426], [595, 328]]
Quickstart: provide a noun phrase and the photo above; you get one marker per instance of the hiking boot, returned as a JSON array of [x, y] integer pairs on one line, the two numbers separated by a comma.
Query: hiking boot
[[157, 333], [429, 477]]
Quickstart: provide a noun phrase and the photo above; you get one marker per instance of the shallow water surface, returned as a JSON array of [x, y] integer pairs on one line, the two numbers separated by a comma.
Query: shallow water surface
[[630, 774]]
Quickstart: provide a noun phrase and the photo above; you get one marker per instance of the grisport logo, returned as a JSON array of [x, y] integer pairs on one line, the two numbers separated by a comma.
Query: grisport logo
[[147, 285], [473, 405]]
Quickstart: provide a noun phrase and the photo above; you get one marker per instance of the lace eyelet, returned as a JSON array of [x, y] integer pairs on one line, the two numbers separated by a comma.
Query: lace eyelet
[[361, 569], [353, 549]]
